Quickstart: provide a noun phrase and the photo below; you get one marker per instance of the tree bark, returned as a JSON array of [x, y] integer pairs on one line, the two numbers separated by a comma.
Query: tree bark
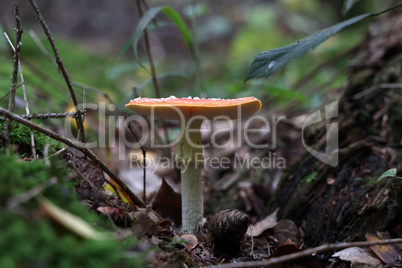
[[344, 202]]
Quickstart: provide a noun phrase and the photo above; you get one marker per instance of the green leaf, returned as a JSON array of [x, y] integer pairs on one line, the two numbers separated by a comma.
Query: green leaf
[[268, 62], [173, 15], [389, 173]]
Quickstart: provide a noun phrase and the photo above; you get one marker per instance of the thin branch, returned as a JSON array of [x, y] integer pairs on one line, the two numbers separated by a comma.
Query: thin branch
[[151, 62], [15, 201], [82, 177], [194, 52], [51, 115], [16, 59], [144, 154], [308, 252], [77, 145], [25, 97], [55, 115], [61, 67], [149, 54], [93, 90]]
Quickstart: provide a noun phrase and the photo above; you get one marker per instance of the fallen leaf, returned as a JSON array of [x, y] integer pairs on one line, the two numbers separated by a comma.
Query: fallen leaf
[[168, 203], [387, 253], [268, 222], [145, 222], [287, 229], [190, 240], [359, 257], [124, 195], [70, 221], [288, 247]]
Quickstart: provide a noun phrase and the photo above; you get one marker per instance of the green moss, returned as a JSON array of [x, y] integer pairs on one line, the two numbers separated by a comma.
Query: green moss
[[21, 137], [27, 240]]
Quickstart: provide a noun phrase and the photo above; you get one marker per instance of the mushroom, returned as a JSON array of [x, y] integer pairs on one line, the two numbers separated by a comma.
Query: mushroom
[[191, 112]]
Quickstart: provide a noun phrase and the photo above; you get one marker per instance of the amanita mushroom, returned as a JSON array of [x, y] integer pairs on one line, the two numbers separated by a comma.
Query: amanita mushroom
[[191, 112]]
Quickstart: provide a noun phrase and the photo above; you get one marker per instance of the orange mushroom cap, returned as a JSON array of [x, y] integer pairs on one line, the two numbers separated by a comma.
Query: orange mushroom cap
[[170, 108]]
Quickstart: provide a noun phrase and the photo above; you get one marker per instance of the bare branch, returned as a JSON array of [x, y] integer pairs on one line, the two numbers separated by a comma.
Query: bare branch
[[16, 59], [149, 54], [310, 251], [78, 145], [25, 97], [61, 67], [53, 115]]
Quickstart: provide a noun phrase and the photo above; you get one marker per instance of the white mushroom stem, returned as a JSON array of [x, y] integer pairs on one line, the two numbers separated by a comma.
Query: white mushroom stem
[[189, 154]]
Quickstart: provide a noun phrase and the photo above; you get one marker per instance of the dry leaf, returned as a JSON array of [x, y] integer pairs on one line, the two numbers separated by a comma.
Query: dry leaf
[[268, 222], [71, 222], [287, 229], [359, 257], [191, 240], [145, 222], [387, 253], [288, 247], [125, 196], [168, 203]]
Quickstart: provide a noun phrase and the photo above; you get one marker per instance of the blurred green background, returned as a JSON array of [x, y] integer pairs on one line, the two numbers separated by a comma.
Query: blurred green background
[[94, 39]]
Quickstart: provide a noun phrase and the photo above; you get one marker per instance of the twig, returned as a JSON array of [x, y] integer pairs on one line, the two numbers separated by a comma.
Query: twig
[[46, 154], [153, 73], [93, 90], [307, 252], [194, 52], [16, 200], [84, 99], [51, 115], [16, 59], [144, 153], [149, 54], [77, 145], [82, 177], [252, 241], [54, 115], [25, 96], [61, 67]]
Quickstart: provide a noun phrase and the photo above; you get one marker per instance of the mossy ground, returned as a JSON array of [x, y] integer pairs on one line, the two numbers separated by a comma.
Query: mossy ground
[[29, 240]]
